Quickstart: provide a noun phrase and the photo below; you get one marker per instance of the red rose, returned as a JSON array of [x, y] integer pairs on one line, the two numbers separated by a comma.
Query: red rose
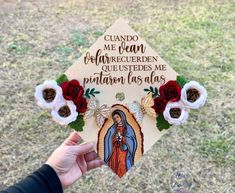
[[159, 104], [81, 105], [72, 90], [170, 91]]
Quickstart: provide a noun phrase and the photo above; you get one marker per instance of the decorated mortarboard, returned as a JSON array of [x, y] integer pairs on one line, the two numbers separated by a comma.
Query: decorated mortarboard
[[122, 95]]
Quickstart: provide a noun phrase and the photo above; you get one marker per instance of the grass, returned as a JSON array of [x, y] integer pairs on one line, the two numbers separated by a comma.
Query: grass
[[18, 48], [78, 39], [195, 37], [219, 149]]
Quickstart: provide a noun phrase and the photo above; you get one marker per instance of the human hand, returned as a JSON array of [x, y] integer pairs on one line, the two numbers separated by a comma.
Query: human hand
[[71, 161]]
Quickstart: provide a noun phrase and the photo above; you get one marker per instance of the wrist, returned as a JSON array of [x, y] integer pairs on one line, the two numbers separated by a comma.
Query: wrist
[[57, 173], [57, 183]]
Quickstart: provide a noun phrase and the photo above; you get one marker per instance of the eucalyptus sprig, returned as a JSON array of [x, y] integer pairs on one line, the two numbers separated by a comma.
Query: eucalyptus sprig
[[91, 92], [153, 90]]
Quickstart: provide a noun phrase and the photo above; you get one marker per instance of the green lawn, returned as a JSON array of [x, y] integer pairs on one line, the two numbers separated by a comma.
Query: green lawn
[[40, 40]]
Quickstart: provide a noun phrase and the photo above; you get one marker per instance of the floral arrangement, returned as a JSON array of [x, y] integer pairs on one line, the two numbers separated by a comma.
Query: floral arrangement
[[70, 104], [66, 100], [174, 99]]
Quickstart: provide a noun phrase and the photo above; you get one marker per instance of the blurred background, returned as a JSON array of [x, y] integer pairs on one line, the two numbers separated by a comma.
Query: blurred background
[[39, 40]]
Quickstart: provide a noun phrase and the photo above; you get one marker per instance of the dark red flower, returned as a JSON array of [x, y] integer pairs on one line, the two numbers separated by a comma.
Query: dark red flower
[[72, 90], [170, 91], [81, 105], [159, 104]]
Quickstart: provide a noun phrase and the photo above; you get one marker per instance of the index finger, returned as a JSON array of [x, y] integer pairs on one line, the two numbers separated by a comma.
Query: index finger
[[73, 139], [83, 148]]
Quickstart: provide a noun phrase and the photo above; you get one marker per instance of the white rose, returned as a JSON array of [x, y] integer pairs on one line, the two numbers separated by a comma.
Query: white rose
[[53, 92], [198, 95], [182, 113], [65, 112]]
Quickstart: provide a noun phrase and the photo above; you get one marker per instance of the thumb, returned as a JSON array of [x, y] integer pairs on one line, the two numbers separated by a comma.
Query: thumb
[[82, 148]]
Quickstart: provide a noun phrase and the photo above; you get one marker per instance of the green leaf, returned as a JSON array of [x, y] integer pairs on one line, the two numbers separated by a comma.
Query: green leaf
[[91, 92], [87, 93], [146, 90], [78, 123], [151, 89], [87, 96], [181, 81], [61, 78], [155, 93], [162, 123]]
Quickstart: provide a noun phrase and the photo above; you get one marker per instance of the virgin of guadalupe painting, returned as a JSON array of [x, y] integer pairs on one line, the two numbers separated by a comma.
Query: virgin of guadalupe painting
[[120, 142]]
